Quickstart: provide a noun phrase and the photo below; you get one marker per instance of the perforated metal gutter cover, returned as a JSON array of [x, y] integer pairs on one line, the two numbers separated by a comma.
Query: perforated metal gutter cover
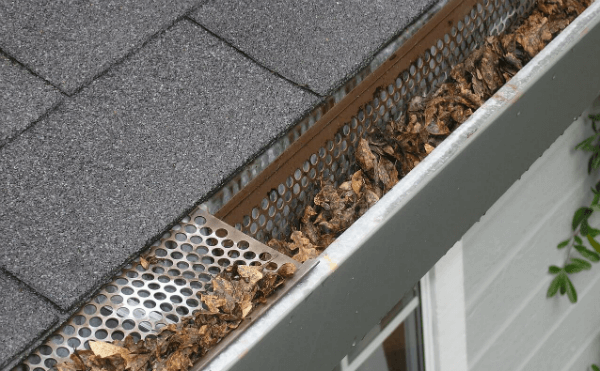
[[386, 252]]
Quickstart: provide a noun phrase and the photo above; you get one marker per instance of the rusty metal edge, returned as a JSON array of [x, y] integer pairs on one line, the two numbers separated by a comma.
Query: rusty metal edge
[[397, 241]]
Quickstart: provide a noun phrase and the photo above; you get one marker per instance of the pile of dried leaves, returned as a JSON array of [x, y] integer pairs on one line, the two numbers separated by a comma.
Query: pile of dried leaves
[[390, 153], [236, 291]]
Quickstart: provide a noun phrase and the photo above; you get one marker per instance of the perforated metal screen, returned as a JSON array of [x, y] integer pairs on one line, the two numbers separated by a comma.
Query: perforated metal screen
[[140, 301]]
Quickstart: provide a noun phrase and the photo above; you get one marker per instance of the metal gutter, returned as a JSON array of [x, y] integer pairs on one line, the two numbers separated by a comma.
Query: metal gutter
[[364, 272]]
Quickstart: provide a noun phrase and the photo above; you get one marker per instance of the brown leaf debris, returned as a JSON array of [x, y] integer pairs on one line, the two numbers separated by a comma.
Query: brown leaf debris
[[390, 153], [235, 293]]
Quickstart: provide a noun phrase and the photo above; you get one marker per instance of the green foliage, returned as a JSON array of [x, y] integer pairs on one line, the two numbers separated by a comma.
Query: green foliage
[[594, 243], [581, 216], [587, 253], [591, 144], [595, 368], [582, 231]]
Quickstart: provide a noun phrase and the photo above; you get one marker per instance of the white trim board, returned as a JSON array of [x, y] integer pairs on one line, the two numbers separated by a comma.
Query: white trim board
[[443, 312]]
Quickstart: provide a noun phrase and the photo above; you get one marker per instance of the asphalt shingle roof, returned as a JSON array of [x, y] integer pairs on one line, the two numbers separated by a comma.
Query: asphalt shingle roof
[[68, 42], [158, 107], [23, 98], [320, 43], [24, 316]]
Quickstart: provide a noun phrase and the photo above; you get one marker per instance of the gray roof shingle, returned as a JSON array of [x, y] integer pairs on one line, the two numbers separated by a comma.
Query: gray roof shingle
[[68, 42], [23, 317], [23, 98], [112, 167], [319, 43]]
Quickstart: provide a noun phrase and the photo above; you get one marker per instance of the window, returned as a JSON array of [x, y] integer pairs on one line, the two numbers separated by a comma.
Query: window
[[395, 344]]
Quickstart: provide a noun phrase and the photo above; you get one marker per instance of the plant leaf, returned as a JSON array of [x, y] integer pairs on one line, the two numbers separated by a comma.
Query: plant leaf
[[586, 144], [587, 253], [573, 268], [563, 244], [554, 285], [596, 161], [578, 239], [584, 264], [594, 243], [571, 292], [553, 269], [584, 228], [592, 231], [563, 283], [595, 368], [580, 215]]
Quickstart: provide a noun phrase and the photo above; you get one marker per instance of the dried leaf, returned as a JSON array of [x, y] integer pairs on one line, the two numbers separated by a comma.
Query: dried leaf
[[102, 349], [387, 173], [429, 148], [213, 302], [179, 360], [287, 270], [364, 155], [357, 182], [534, 34], [306, 250], [68, 366], [144, 263], [251, 274], [138, 362]]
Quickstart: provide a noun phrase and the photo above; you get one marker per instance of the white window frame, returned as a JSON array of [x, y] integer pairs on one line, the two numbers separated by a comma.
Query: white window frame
[[443, 314]]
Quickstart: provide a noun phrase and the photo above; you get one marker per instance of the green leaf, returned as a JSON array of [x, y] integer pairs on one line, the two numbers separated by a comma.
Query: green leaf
[[554, 285], [563, 244], [577, 265], [571, 292], [563, 283], [592, 231], [594, 243], [578, 240], [595, 201], [553, 269], [596, 162], [587, 253], [584, 228], [580, 215], [595, 368], [584, 264], [573, 268], [587, 144]]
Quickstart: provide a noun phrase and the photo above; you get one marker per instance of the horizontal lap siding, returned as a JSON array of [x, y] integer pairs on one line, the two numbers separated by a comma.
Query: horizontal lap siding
[[510, 325]]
